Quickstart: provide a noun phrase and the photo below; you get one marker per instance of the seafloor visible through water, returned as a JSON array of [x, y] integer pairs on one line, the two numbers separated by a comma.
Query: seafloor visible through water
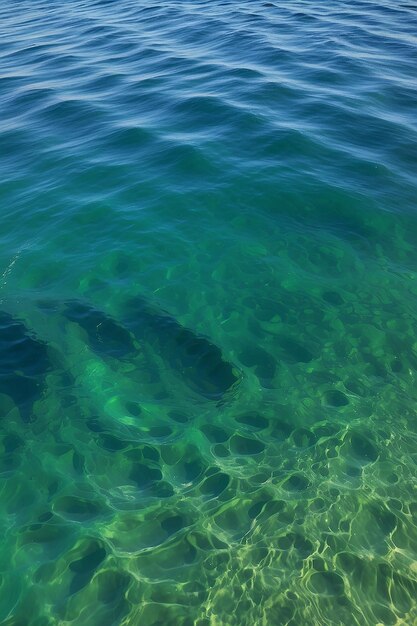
[[208, 323]]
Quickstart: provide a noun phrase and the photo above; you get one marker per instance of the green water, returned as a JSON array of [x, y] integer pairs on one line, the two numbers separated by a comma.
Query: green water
[[208, 287]]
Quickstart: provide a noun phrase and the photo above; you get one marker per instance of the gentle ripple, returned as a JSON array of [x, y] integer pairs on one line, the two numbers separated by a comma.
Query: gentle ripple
[[208, 353]]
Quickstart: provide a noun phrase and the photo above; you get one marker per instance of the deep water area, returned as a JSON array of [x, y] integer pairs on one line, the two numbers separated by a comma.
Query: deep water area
[[208, 313]]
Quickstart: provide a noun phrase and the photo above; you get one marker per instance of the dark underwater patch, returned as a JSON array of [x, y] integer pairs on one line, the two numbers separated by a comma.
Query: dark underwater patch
[[198, 361], [105, 336], [23, 364]]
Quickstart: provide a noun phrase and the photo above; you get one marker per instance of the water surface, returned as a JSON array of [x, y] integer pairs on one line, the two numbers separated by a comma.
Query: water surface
[[208, 351]]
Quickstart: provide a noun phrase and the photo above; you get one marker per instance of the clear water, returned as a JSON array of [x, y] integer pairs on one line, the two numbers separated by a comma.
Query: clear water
[[208, 349]]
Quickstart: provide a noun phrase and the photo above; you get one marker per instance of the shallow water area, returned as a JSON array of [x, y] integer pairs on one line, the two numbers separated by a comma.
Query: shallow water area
[[208, 278]]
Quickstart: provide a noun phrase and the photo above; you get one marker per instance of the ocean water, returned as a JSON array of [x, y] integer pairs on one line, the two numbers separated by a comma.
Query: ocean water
[[208, 327]]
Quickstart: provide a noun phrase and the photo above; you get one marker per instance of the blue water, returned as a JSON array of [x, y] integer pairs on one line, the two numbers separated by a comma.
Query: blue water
[[208, 287]]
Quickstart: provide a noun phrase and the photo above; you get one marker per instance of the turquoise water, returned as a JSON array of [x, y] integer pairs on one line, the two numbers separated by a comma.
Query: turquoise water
[[208, 349]]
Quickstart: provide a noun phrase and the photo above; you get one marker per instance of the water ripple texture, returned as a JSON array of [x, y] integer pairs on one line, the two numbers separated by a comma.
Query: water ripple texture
[[208, 287]]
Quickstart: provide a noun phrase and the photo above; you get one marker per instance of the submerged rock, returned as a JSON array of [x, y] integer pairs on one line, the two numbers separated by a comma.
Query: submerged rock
[[198, 361], [23, 364], [105, 336]]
